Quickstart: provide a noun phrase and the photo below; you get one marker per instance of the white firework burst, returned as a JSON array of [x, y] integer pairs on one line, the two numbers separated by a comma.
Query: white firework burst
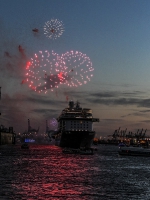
[[53, 29]]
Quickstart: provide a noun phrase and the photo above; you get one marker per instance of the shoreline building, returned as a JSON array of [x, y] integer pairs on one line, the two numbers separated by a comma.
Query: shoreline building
[[32, 135], [7, 135]]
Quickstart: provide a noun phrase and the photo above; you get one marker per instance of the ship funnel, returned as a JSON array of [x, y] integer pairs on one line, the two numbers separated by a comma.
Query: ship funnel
[[71, 104]]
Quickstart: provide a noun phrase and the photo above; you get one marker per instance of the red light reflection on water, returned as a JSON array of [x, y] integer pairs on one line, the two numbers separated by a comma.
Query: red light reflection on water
[[44, 171]]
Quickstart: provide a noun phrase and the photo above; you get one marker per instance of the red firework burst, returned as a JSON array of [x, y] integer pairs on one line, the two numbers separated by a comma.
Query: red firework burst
[[45, 71]]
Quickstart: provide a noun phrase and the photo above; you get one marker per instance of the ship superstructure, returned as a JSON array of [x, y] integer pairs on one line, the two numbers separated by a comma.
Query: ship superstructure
[[75, 126]]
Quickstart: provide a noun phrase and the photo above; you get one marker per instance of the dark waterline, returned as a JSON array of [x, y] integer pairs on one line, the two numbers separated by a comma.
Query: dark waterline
[[44, 172]]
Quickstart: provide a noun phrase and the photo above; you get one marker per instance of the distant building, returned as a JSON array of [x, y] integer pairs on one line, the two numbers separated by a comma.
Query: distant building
[[7, 136], [31, 136]]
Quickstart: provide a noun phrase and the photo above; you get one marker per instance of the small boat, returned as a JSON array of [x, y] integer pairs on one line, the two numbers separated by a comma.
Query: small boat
[[71, 151], [78, 151], [122, 144], [86, 152], [134, 151], [25, 146]]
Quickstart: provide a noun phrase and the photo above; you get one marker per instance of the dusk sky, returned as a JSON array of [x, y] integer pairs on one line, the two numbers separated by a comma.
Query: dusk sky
[[114, 34]]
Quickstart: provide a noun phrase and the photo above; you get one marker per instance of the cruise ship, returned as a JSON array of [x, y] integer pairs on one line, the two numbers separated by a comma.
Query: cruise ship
[[75, 127]]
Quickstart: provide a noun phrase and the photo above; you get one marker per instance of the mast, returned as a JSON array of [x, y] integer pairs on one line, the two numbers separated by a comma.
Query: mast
[[29, 125]]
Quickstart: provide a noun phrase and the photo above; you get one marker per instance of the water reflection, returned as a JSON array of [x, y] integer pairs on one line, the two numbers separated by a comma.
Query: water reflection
[[44, 172], [41, 172]]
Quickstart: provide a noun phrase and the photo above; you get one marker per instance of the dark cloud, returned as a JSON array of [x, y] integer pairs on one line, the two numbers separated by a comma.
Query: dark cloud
[[145, 111], [46, 111], [105, 94], [38, 99], [138, 113], [119, 98], [111, 120]]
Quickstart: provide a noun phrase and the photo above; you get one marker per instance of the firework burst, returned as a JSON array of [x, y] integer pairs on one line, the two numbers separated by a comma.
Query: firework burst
[[78, 68], [53, 123], [45, 71], [53, 29]]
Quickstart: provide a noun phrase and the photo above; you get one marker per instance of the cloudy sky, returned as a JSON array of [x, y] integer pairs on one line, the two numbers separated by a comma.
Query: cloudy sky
[[113, 34]]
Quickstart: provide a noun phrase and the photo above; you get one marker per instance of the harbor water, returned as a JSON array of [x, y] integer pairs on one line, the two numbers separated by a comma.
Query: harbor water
[[43, 172]]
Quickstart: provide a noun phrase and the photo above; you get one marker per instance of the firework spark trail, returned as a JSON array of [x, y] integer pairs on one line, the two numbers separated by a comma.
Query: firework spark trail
[[21, 50], [35, 30], [7, 54], [53, 29]]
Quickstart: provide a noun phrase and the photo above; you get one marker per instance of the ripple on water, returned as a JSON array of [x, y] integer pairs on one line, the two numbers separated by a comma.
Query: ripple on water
[[44, 172]]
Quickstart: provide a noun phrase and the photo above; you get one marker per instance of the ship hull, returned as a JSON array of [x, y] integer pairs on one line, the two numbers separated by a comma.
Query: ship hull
[[75, 139]]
